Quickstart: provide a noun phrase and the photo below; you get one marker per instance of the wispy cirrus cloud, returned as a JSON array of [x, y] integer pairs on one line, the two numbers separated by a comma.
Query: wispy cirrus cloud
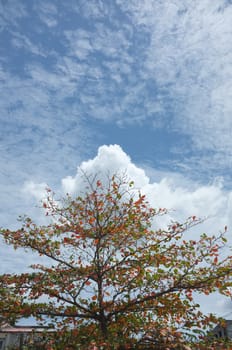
[[10, 14], [189, 57], [47, 12], [20, 41]]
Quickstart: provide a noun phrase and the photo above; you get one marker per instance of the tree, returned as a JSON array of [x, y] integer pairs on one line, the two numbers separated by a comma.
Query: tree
[[111, 279]]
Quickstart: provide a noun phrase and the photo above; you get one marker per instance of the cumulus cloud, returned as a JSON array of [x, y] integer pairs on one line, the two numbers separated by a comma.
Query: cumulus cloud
[[109, 160], [38, 191], [183, 198]]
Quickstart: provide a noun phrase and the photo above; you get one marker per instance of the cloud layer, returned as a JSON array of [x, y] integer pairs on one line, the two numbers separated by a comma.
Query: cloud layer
[[190, 55], [166, 65]]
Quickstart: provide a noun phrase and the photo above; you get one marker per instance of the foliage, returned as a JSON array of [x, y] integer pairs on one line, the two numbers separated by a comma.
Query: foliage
[[111, 279]]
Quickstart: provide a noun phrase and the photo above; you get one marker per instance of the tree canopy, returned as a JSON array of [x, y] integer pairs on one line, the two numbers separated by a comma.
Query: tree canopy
[[111, 279]]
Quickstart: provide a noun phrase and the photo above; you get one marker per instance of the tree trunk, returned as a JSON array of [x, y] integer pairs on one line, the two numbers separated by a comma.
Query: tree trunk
[[103, 327]]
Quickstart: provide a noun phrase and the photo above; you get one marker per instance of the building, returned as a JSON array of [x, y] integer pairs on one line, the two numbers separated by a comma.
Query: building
[[223, 330], [18, 336]]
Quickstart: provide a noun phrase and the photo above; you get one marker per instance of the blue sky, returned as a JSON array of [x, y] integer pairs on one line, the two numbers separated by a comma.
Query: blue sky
[[153, 78]]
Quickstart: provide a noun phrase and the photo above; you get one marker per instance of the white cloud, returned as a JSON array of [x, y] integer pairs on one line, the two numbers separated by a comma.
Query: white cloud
[[22, 41], [38, 191], [79, 43], [96, 9], [190, 53], [183, 199], [109, 160], [47, 12], [11, 13]]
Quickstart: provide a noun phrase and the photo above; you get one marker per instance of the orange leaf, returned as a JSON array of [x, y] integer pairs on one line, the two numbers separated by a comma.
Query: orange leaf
[[91, 220]]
